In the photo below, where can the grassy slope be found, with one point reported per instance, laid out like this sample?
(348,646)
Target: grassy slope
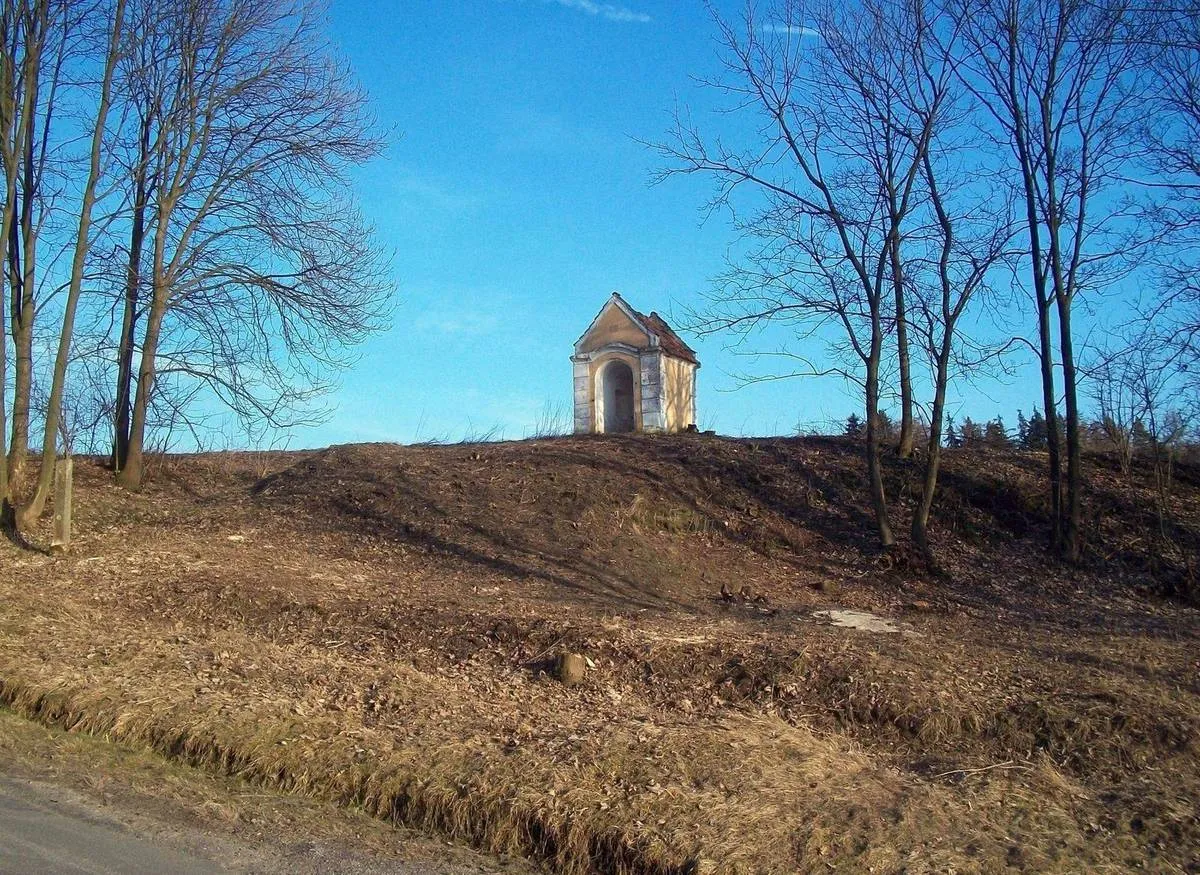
(237,826)
(367,623)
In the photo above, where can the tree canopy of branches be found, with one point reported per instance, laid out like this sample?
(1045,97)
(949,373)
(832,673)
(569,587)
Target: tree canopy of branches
(860,217)
(1062,84)
(910,157)
(108,38)
(257,267)
(40,39)
(215,251)
(846,122)
(1172,156)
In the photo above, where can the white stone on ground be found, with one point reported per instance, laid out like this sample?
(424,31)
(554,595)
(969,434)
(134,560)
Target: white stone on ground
(863,620)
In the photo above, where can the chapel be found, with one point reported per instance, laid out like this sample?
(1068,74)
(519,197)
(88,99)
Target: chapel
(633,373)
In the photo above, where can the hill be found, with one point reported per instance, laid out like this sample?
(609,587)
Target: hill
(377,624)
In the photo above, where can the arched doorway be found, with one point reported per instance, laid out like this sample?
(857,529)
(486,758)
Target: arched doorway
(616,398)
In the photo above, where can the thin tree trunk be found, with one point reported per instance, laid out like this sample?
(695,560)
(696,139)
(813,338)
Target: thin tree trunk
(950,315)
(1021,141)
(920,523)
(1053,443)
(21,317)
(130,475)
(1069,517)
(1045,349)
(22,279)
(82,244)
(8,112)
(22,332)
(10,269)
(5,495)
(133,279)
(124,381)
(874,465)
(904,447)
(1072,542)
(7,216)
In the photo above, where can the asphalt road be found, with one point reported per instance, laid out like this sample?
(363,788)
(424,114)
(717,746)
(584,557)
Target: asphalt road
(71,803)
(40,833)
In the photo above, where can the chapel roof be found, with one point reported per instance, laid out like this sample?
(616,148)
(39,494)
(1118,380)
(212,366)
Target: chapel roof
(670,342)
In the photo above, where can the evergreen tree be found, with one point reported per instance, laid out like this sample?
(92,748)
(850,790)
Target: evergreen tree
(1036,434)
(995,435)
(1022,430)
(953,441)
(970,433)
(854,426)
(1140,435)
(885,426)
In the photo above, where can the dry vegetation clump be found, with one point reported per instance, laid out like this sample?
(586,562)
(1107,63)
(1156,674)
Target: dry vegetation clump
(373,625)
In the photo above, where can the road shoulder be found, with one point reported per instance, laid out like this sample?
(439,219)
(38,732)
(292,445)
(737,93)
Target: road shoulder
(109,808)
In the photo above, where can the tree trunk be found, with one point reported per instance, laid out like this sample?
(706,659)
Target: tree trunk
(920,523)
(874,465)
(8,218)
(11,268)
(1021,142)
(4,491)
(5,494)
(907,440)
(1053,444)
(6,222)
(131,473)
(22,280)
(21,318)
(37,503)
(124,381)
(22,332)
(133,279)
(1045,349)
(23,250)
(1068,518)
(1072,536)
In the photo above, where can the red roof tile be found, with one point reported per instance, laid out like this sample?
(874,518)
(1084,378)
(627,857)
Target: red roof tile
(670,342)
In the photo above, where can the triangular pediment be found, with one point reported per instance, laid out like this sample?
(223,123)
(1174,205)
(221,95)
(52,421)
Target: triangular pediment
(616,322)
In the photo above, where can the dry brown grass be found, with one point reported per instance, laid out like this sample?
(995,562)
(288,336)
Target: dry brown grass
(238,826)
(366,627)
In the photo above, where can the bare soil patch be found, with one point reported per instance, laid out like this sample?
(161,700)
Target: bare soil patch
(378,626)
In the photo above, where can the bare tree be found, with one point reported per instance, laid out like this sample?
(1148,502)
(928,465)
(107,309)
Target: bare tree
(970,238)
(837,169)
(8,112)
(85,425)
(1148,402)
(1166,430)
(83,241)
(37,33)
(260,271)
(1118,399)
(140,83)
(1060,82)
(1172,158)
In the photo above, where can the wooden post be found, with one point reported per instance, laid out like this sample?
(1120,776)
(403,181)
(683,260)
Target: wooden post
(63,472)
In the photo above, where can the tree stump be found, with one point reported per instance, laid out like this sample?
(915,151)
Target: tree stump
(569,668)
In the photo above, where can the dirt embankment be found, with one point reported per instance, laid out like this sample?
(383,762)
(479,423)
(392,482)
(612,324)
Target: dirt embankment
(373,624)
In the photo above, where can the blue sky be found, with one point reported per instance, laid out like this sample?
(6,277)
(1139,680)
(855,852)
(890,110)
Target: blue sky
(516,197)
